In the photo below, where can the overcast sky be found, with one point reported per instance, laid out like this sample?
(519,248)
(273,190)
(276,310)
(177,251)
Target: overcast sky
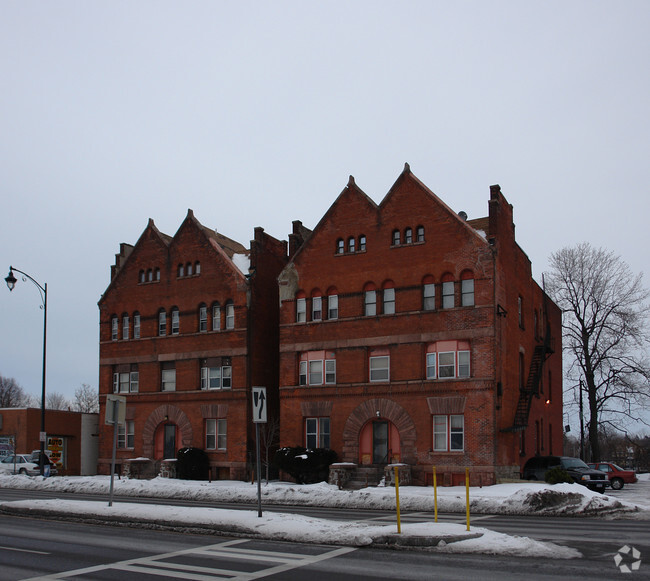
(255,114)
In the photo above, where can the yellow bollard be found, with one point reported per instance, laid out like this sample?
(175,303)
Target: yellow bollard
(467,494)
(435,496)
(399,524)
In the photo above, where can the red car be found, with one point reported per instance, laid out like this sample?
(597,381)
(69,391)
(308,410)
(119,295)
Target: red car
(616,475)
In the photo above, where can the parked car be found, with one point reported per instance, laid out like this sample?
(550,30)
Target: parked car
(537,467)
(22,464)
(617,476)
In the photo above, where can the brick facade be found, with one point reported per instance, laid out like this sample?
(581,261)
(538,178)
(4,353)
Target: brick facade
(409,242)
(221,319)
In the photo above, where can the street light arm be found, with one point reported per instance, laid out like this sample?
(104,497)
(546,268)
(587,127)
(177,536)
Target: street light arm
(11,280)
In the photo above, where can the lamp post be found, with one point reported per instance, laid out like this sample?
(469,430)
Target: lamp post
(11,283)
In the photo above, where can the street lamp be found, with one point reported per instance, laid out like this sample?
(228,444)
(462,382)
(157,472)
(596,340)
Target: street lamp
(11,283)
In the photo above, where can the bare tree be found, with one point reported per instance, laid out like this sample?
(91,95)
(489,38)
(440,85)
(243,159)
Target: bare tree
(86,399)
(12,395)
(56,401)
(605,335)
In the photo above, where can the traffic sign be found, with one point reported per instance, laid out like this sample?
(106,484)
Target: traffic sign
(259,405)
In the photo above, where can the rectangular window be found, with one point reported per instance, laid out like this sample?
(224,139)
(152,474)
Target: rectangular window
(203,318)
(463,364)
(447,364)
(467,292)
(168,379)
(431,365)
(126,435)
(222,430)
(316,308)
(162,323)
(301,310)
(210,434)
(216,318)
(311,366)
(333,307)
(448,433)
(317,433)
(379,368)
(230,316)
(136,326)
(134,382)
(520,311)
(124,382)
(389,301)
(448,295)
(216,377)
(125,327)
(429,297)
(370,303)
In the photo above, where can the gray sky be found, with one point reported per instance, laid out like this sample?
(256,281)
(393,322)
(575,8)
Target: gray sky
(255,114)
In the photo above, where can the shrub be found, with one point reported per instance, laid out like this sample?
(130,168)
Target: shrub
(192,464)
(307,466)
(558,475)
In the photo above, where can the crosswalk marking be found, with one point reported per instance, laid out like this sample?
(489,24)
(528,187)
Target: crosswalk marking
(160,565)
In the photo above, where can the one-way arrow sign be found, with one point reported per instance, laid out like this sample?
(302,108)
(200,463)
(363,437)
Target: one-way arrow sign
(259,405)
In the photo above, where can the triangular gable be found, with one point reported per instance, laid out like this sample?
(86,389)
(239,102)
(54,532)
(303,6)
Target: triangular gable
(400,188)
(149,234)
(351,196)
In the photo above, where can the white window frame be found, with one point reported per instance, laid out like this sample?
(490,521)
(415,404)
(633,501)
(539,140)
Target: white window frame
(379,368)
(115,325)
(162,323)
(136,326)
(216,377)
(126,435)
(222,434)
(125,326)
(216,317)
(370,303)
(317,372)
(389,301)
(301,310)
(317,430)
(203,318)
(467,292)
(460,368)
(448,433)
(176,322)
(333,307)
(431,372)
(316,308)
(230,315)
(448,291)
(210,434)
(429,296)
(168,379)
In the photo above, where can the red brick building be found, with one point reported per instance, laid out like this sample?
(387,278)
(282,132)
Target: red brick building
(187,325)
(411,334)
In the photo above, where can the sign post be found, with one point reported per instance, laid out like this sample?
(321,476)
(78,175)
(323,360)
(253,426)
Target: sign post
(259,417)
(115,415)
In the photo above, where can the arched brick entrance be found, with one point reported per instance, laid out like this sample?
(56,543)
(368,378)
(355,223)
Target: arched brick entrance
(165,413)
(389,410)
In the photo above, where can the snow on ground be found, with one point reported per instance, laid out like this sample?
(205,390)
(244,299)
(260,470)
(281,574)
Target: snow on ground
(514,498)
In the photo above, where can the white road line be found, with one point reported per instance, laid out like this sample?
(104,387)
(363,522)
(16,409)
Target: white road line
(24,550)
(157,564)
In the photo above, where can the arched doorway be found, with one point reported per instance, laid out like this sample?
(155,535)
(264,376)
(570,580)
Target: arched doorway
(165,431)
(379,442)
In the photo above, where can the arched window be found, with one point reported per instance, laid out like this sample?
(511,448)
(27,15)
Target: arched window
(141,276)
(149,275)
(419,234)
(389,298)
(162,322)
(176,321)
(216,317)
(197,267)
(115,326)
(340,246)
(181,270)
(301,307)
(448,291)
(136,325)
(125,326)
(369,300)
(362,243)
(230,315)
(428,294)
(467,289)
(351,244)
(408,236)
(396,238)
(188,269)
(203,318)
(157,271)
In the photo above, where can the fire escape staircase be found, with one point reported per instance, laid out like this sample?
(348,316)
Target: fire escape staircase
(540,355)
